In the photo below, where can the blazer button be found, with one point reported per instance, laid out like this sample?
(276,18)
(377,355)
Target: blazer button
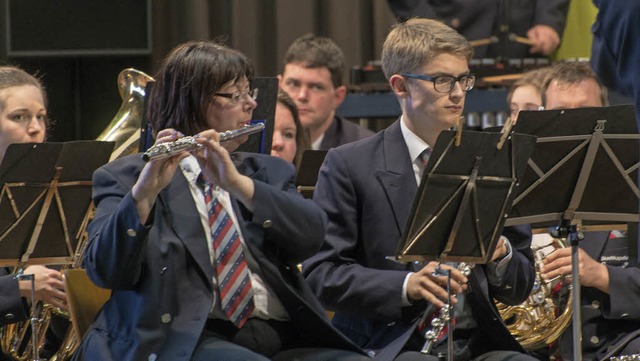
(624,315)
(594,339)
(166,318)
(131,232)
(9,316)
(153,357)
(267,224)
(371,354)
(595,304)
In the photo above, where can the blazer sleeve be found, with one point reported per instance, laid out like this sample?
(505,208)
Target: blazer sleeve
(552,13)
(12,308)
(624,290)
(294,224)
(337,274)
(115,252)
(520,274)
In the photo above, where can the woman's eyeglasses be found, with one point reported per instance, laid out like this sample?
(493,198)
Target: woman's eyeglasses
(237,97)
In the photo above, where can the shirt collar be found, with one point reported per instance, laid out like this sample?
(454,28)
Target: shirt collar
(415,144)
(190,168)
(316,145)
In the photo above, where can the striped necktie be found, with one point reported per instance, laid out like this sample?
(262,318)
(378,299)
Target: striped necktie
(234,285)
(424,158)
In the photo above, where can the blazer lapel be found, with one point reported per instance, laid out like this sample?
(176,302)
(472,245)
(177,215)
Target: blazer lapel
(397,178)
(184,219)
(255,172)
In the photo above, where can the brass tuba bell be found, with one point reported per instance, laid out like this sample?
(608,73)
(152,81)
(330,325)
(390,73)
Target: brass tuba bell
(124,128)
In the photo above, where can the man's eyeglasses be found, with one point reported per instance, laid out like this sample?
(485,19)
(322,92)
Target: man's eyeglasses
(445,83)
(237,97)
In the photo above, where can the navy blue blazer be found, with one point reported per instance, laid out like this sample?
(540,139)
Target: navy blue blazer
(367,189)
(615,53)
(161,274)
(342,131)
(609,321)
(12,307)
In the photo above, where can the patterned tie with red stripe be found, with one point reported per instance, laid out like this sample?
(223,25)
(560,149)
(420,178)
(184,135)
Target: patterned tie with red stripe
(424,158)
(234,285)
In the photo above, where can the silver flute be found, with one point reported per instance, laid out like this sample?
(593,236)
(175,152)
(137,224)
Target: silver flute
(189,144)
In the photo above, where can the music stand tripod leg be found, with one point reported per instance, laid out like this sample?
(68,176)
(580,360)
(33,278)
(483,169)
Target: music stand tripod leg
(569,231)
(32,319)
(449,328)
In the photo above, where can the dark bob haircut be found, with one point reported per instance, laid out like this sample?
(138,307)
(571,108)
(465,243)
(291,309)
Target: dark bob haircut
(188,79)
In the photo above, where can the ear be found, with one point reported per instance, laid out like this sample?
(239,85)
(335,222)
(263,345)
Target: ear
(398,85)
(279,81)
(339,95)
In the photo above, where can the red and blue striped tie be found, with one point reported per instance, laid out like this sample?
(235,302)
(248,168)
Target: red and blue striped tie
(234,285)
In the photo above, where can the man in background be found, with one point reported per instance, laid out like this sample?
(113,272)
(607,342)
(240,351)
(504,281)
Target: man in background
(572,85)
(609,275)
(540,21)
(313,78)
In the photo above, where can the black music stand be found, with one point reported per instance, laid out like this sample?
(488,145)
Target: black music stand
(466,190)
(265,113)
(307,175)
(583,171)
(459,209)
(45,203)
(45,199)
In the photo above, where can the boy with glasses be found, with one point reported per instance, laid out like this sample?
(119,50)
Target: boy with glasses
(367,189)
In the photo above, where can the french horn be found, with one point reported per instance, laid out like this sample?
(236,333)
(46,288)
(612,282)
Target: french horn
(124,129)
(547,312)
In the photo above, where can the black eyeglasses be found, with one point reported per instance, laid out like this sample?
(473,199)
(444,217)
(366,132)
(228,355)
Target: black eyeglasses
(237,97)
(445,83)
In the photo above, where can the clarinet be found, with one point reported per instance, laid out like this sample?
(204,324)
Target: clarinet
(634,357)
(189,144)
(444,315)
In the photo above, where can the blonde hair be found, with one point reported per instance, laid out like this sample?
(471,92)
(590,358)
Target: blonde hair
(411,44)
(534,78)
(11,76)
